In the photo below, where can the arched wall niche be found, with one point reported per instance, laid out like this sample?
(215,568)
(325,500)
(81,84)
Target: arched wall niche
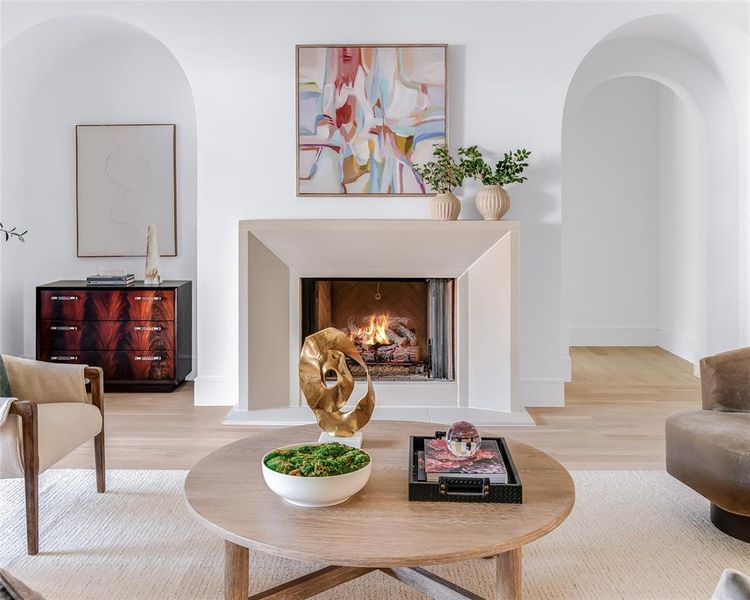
(56,74)
(691,59)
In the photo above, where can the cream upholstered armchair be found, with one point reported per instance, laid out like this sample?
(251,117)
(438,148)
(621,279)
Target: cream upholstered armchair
(48,415)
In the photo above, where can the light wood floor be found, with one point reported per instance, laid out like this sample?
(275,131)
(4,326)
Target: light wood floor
(613,417)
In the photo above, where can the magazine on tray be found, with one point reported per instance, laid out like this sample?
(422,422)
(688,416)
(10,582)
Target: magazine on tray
(487,462)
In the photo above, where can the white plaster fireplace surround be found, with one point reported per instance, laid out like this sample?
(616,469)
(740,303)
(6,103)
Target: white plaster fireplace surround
(482,257)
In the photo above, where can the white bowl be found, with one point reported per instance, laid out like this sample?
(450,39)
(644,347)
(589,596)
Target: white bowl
(313,492)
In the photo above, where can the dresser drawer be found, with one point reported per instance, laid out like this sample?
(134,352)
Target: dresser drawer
(107,335)
(107,305)
(119,365)
(149,305)
(65,304)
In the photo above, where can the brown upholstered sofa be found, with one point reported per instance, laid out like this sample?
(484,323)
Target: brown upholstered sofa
(709,449)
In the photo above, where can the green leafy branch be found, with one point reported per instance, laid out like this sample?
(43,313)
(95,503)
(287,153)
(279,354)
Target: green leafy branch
(473,164)
(509,169)
(511,166)
(443,174)
(12,233)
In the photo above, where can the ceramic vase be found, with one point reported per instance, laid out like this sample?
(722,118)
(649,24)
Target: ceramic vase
(493,202)
(445,207)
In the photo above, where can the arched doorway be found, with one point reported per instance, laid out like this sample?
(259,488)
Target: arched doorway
(55,75)
(654,214)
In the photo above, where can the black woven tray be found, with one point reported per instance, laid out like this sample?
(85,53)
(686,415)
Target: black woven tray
(462,489)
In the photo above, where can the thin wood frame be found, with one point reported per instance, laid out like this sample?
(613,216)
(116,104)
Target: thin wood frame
(174,189)
(298,47)
(27,411)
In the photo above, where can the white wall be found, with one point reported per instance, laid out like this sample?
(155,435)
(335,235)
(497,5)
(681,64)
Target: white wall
(678,52)
(125,77)
(510,68)
(611,165)
(725,51)
(635,244)
(682,230)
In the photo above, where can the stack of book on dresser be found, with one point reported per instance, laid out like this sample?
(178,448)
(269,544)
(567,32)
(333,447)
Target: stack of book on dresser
(438,461)
(110,277)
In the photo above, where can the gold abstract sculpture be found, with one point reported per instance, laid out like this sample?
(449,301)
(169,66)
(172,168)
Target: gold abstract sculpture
(325,352)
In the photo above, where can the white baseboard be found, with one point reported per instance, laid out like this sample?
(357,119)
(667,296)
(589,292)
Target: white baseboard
(682,347)
(482,417)
(603,336)
(218,391)
(275,417)
(678,346)
(613,336)
(567,368)
(542,392)
(215,391)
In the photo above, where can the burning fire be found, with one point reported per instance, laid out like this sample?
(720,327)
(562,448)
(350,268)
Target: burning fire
(375,332)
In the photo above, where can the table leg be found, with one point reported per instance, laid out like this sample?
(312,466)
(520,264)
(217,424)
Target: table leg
(508,580)
(236,571)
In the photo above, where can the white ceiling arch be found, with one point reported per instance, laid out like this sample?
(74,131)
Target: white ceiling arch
(684,54)
(132,77)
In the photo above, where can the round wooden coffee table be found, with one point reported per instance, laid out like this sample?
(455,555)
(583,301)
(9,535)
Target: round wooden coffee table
(376,529)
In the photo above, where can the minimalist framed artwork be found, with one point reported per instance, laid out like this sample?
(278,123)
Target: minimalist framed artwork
(366,114)
(125,180)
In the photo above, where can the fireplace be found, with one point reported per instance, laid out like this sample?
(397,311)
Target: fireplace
(447,303)
(402,327)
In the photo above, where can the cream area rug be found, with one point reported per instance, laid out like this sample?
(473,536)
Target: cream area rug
(632,534)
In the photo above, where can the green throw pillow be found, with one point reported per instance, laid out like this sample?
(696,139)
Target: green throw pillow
(4,383)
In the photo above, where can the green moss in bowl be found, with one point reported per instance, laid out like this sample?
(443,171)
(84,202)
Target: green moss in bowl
(317,460)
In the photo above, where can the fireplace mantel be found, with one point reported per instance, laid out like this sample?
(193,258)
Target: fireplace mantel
(379,248)
(482,257)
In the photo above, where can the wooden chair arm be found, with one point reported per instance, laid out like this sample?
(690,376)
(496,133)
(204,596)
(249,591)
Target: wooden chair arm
(24,409)
(27,411)
(96,376)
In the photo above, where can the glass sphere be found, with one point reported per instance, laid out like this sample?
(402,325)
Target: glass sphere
(463,439)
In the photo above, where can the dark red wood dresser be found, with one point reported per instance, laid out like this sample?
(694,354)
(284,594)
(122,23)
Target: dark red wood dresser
(140,335)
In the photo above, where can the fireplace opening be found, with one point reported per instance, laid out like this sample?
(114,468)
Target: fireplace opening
(403,328)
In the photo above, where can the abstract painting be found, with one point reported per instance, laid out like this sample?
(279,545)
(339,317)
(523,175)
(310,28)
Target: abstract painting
(125,181)
(366,114)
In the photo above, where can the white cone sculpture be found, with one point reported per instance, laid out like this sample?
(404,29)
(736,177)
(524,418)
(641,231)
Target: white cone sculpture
(152,257)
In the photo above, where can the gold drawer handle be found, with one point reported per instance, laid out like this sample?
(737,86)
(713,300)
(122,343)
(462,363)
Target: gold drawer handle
(63,298)
(139,328)
(63,358)
(63,328)
(145,298)
(148,358)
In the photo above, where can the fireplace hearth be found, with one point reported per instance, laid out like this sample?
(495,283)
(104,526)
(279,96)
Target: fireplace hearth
(403,328)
